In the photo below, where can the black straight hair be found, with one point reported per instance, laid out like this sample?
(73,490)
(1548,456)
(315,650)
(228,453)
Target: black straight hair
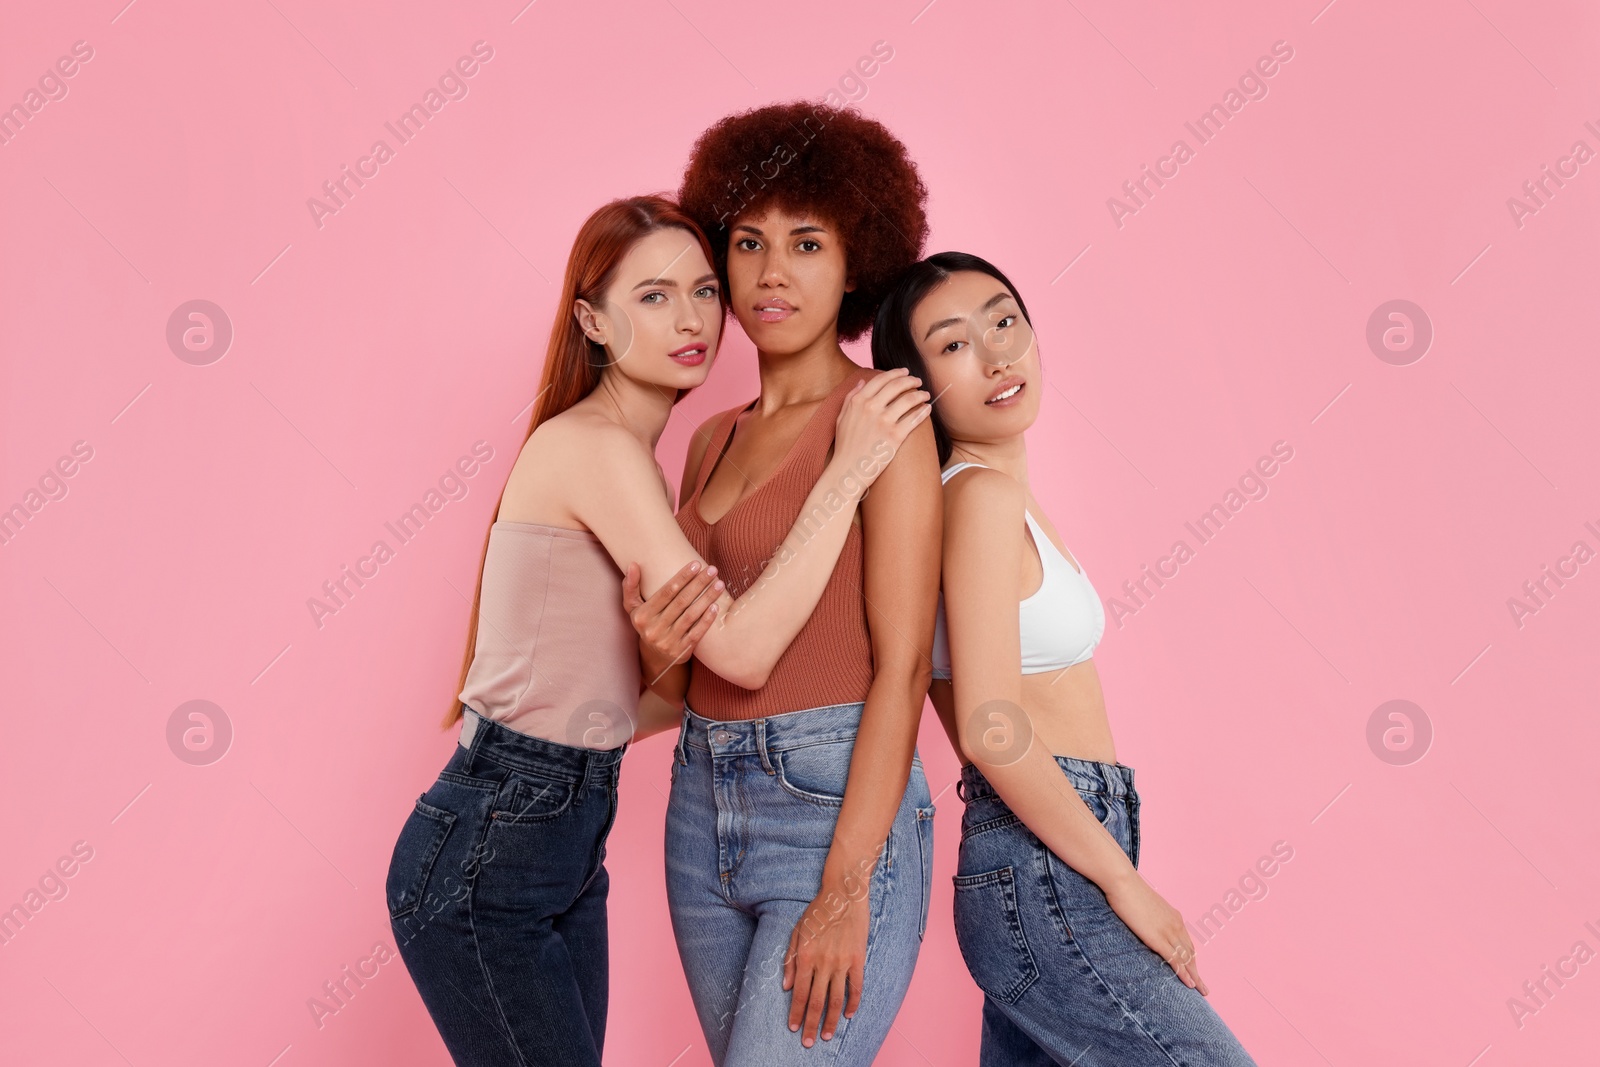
(892,343)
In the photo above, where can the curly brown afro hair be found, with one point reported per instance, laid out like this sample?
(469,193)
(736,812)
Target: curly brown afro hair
(807,156)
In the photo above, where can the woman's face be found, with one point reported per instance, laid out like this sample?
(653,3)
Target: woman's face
(981,357)
(786,277)
(661,318)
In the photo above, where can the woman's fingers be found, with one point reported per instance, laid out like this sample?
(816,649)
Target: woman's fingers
(897,397)
(913,403)
(668,603)
(858,972)
(830,1021)
(1192,963)
(800,993)
(691,640)
(1175,960)
(674,585)
(816,1005)
(873,394)
(875,385)
(790,959)
(1184,962)
(686,606)
(630,589)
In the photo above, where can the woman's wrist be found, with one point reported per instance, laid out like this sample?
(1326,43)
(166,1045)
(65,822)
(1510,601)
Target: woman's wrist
(1123,877)
(848,877)
(843,477)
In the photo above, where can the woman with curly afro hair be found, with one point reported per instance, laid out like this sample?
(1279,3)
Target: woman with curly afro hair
(799,833)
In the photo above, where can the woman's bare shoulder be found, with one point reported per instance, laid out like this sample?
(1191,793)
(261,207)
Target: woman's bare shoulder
(564,459)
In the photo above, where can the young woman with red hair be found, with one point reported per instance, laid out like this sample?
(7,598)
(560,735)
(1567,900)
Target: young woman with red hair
(497,885)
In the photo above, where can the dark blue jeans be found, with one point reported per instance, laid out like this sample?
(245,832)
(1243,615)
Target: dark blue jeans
(497,897)
(1064,979)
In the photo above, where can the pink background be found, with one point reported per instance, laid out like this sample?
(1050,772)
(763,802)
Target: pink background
(1228,313)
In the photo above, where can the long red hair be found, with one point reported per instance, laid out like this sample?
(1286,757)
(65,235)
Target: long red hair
(573,363)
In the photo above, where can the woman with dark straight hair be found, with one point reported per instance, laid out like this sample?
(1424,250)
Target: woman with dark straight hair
(1080,960)
(497,885)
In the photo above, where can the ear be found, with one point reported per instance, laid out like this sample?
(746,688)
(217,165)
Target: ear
(590,321)
(849,283)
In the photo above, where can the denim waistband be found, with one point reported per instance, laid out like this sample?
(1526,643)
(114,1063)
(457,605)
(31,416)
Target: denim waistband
(512,748)
(1088,776)
(792,729)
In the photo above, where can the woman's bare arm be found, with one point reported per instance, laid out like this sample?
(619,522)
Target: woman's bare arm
(617,495)
(901,553)
(984,518)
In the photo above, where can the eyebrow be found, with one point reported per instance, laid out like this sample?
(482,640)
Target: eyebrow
(942,323)
(807,228)
(670,284)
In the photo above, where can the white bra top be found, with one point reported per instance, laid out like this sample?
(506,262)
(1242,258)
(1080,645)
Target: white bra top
(1062,621)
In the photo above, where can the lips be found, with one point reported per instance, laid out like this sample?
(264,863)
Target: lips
(774,310)
(690,355)
(1007,392)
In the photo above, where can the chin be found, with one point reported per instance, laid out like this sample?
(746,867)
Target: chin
(777,338)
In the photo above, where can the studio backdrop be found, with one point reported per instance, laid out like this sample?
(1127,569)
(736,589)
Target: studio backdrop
(1313,284)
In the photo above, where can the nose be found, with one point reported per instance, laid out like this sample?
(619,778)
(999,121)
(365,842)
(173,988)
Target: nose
(773,272)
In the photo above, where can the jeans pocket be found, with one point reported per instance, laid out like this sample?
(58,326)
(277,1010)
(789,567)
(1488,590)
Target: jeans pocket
(990,933)
(415,853)
(925,842)
(1097,803)
(531,798)
(816,773)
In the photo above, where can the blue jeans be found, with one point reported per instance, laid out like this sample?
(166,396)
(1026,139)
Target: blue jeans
(749,824)
(1064,979)
(497,897)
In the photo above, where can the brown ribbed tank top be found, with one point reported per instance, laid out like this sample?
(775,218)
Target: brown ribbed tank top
(830,659)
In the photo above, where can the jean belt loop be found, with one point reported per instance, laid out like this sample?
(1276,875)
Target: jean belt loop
(961,789)
(761,745)
(469,727)
(683,732)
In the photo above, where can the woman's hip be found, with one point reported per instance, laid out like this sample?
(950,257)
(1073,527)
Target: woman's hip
(992,829)
(754,804)
(511,818)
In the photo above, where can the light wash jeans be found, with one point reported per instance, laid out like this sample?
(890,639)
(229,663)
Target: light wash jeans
(749,824)
(1064,979)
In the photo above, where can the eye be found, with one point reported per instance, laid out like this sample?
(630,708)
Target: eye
(951,347)
(706,292)
(815,245)
(747,244)
(1007,321)
(648,298)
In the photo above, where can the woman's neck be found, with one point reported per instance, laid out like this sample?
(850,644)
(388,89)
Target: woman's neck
(803,376)
(642,408)
(1009,454)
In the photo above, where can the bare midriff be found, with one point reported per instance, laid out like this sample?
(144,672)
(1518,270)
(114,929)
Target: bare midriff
(1066,709)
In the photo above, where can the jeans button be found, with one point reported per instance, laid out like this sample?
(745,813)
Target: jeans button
(722,737)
